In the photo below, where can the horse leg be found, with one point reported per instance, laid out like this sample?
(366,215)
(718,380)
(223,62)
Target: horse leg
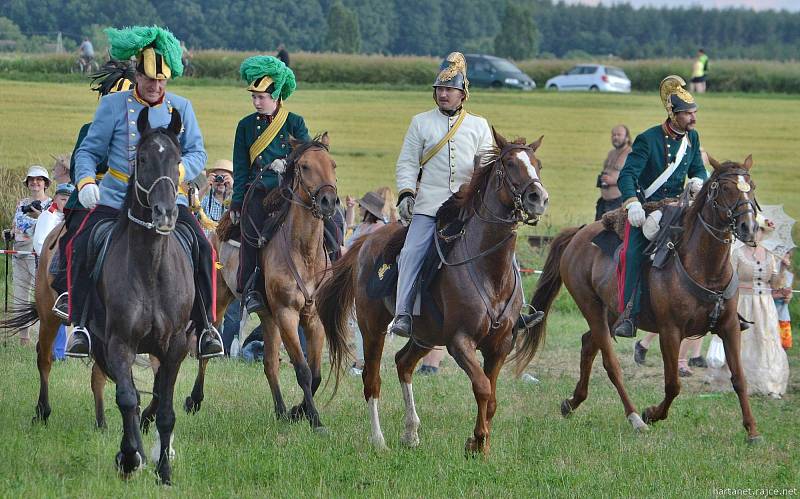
(98,385)
(119,358)
(493,360)
(602,338)
(44,362)
(371,377)
(288,320)
(165,418)
(192,403)
(462,348)
(149,414)
(272,363)
(406,360)
(589,350)
(669,339)
(731,340)
(315,340)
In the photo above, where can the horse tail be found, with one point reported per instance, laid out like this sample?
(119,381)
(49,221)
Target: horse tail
(20,317)
(335,299)
(546,291)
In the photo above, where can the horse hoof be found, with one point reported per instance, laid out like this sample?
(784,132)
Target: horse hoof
(566,409)
(144,426)
(296,413)
(636,421)
(379,443)
(647,416)
(755,440)
(190,406)
(127,469)
(471,448)
(322,430)
(101,425)
(410,440)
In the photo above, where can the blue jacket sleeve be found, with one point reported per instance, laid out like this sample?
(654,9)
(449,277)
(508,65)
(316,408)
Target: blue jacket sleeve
(192,149)
(94,148)
(634,165)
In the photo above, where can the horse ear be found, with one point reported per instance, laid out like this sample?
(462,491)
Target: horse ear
(714,163)
(748,162)
(294,142)
(325,140)
(499,139)
(143,121)
(175,123)
(536,144)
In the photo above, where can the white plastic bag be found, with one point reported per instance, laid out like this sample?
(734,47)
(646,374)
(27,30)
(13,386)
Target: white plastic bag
(715,357)
(46,222)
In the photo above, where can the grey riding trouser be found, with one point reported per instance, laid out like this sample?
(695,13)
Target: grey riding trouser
(419,238)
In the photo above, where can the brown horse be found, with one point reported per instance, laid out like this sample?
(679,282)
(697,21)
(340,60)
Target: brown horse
(724,208)
(478,295)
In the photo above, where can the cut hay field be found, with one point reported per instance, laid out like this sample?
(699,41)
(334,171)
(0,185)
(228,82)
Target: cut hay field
(235,448)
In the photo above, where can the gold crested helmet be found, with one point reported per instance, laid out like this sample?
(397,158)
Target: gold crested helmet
(674,97)
(453,73)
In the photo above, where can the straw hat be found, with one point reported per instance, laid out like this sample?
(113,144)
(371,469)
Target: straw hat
(224,165)
(373,203)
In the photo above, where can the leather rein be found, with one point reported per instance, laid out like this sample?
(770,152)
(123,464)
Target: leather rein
(147,191)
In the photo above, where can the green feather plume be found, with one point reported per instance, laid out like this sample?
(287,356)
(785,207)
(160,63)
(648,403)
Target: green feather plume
(128,42)
(257,66)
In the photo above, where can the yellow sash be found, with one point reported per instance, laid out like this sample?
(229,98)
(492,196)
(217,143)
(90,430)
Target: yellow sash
(264,140)
(432,152)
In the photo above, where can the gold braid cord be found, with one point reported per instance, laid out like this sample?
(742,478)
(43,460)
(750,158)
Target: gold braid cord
(194,206)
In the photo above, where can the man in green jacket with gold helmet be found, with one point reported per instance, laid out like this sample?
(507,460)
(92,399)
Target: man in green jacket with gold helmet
(656,168)
(260,149)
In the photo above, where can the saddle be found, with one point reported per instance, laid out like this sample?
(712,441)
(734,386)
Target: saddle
(100,240)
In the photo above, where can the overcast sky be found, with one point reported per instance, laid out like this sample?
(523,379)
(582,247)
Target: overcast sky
(793,5)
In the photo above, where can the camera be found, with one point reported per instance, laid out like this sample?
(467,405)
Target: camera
(37,205)
(219,179)
(7,235)
(600,182)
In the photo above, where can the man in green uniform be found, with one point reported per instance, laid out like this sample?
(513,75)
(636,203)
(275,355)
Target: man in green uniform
(661,159)
(260,149)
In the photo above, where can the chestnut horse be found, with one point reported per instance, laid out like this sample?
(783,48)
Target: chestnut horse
(478,295)
(725,208)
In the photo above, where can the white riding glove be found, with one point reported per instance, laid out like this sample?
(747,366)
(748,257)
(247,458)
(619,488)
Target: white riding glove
(652,225)
(636,214)
(694,184)
(278,166)
(405,210)
(89,196)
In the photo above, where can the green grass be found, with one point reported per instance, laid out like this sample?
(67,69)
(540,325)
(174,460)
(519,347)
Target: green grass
(234,447)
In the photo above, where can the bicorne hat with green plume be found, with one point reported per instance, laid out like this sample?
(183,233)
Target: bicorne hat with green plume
(157,51)
(264,73)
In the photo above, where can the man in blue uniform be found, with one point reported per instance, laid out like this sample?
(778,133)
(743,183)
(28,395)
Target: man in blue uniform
(114,135)
(656,168)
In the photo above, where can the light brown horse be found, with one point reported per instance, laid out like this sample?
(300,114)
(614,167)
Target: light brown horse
(503,191)
(724,209)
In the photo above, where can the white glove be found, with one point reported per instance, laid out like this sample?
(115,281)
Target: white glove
(89,196)
(694,184)
(636,214)
(405,210)
(652,225)
(278,166)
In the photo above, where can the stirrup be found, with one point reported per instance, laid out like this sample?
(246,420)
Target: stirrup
(210,331)
(254,302)
(526,321)
(61,306)
(74,341)
(401,325)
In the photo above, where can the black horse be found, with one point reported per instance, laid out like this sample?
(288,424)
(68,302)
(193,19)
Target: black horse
(147,291)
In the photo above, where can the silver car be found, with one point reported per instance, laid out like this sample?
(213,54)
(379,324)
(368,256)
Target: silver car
(594,77)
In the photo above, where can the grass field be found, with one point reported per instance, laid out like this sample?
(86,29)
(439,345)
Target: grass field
(234,447)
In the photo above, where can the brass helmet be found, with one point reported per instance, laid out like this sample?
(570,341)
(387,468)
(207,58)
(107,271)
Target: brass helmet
(453,73)
(675,98)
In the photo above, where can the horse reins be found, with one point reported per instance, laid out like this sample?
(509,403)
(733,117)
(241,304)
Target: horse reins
(732,212)
(138,187)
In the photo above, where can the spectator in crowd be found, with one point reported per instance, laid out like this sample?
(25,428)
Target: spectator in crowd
(218,198)
(28,210)
(699,69)
(389,203)
(61,167)
(782,297)
(610,195)
(764,361)
(283,55)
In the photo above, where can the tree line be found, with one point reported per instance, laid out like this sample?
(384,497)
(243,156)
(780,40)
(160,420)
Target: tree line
(518,29)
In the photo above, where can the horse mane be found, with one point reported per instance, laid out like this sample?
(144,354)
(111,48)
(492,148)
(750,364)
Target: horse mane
(456,203)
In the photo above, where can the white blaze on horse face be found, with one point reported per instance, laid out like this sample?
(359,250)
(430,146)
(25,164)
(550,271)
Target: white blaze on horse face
(523,156)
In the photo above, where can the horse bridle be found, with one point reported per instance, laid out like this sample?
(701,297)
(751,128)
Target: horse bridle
(732,213)
(312,206)
(147,191)
(518,213)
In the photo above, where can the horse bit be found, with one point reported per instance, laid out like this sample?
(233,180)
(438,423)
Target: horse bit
(147,192)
